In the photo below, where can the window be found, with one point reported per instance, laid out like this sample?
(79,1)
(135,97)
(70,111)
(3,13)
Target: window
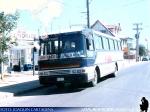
(111,43)
(116,45)
(105,43)
(98,42)
(101,42)
(56,46)
(119,45)
(89,44)
(69,46)
(45,50)
(50,47)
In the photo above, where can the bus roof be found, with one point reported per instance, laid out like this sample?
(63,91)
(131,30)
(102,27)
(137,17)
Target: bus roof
(61,33)
(85,31)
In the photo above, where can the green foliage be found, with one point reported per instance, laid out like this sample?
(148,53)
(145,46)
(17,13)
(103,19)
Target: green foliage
(142,50)
(3,58)
(7,23)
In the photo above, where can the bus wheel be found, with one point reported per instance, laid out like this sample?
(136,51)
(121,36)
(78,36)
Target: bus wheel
(115,72)
(116,67)
(95,80)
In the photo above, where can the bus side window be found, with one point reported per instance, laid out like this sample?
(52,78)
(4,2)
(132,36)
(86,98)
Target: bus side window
(41,53)
(116,45)
(111,44)
(48,47)
(105,43)
(101,42)
(89,44)
(45,49)
(98,42)
(119,45)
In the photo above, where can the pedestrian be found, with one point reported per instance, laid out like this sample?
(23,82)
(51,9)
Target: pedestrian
(144,105)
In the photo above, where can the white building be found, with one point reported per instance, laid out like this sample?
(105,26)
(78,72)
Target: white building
(22,53)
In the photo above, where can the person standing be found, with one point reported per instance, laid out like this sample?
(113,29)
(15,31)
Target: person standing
(145,104)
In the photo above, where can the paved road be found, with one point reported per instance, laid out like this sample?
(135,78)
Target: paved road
(123,91)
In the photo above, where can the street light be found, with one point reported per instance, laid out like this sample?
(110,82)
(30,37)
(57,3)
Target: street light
(35,48)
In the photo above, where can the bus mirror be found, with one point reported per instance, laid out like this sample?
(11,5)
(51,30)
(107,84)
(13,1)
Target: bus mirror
(88,42)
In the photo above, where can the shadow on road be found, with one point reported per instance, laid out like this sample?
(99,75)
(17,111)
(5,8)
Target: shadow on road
(33,88)
(20,87)
(52,90)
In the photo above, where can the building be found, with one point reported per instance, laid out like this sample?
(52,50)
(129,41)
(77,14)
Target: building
(98,26)
(21,53)
(115,29)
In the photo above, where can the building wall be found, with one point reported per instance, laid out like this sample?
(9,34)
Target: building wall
(23,51)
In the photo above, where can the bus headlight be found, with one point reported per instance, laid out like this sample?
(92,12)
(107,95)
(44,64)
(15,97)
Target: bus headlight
(78,71)
(46,73)
(41,73)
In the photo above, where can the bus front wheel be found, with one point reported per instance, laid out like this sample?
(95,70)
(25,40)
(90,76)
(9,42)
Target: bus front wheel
(95,80)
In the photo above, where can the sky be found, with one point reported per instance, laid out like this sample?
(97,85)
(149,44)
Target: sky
(56,15)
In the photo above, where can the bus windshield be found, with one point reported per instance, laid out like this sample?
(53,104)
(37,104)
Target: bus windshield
(64,46)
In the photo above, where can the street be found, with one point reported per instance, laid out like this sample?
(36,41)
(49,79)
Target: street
(123,91)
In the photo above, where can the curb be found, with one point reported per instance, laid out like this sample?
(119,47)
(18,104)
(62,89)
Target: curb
(17,89)
(4,95)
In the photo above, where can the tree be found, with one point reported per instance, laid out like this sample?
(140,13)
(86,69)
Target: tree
(142,50)
(8,22)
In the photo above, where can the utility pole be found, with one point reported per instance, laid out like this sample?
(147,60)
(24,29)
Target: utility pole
(88,13)
(137,35)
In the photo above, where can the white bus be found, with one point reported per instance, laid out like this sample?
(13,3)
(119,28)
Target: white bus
(78,57)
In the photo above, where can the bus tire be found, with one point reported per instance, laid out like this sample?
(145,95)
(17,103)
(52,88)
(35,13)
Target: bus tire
(115,72)
(116,69)
(95,80)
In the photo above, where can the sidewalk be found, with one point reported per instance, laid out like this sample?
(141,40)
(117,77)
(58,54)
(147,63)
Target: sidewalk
(18,82)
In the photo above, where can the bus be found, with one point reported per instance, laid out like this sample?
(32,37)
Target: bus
(78,57)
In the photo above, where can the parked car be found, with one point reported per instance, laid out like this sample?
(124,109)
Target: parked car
(17,68)
(145,59)
(27,67)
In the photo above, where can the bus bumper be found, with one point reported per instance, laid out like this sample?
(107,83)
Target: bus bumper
(70,78)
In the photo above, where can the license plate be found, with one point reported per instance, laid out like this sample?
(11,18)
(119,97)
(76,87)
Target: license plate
(60,79)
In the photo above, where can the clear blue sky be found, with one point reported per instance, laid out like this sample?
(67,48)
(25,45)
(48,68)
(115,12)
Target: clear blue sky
(125,12)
